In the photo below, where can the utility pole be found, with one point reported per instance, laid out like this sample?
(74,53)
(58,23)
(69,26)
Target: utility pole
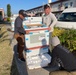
(49,1)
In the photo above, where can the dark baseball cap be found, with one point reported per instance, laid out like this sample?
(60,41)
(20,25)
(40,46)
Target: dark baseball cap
(23,13)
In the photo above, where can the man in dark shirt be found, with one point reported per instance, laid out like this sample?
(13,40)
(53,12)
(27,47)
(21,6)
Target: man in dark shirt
(66,59)
(19,33)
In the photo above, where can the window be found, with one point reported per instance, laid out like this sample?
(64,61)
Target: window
(71,4)
(69,17)
(66,5)
(1,15)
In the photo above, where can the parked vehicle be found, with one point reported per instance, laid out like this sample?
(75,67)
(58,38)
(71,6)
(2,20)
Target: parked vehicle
(67,19)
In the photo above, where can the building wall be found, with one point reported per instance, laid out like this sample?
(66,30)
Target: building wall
(63,5)
(69,3)
(56,7)
(2,12)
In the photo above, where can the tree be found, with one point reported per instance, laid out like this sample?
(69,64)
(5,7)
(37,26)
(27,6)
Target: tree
(8,10)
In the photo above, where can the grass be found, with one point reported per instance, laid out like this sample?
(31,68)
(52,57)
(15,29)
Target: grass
(6,54)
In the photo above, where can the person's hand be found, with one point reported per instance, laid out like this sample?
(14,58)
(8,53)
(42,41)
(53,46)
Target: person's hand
(27,32)
(49,28)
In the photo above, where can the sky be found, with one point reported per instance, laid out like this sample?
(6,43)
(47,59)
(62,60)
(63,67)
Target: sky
(16,5)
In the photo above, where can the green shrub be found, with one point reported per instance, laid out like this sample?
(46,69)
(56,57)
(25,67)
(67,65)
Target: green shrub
(58,32)
(67,37)
(8,19)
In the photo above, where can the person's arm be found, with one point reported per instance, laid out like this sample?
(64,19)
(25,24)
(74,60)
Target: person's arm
(20,29)
(54,20)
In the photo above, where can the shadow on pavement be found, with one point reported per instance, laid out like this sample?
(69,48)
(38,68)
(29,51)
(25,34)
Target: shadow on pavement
(2,33)
(18,67)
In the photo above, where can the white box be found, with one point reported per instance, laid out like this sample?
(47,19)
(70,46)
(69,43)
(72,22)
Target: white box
(38,61)
(32,20)
(36,51)
(12,25)
(27,21)
(12,28)
(37,37)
